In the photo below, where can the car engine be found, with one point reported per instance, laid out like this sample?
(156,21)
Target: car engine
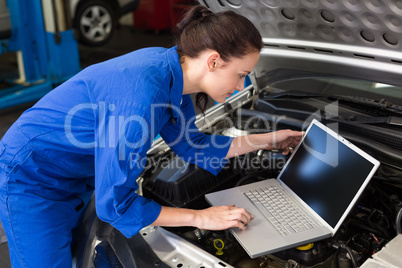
(374,221)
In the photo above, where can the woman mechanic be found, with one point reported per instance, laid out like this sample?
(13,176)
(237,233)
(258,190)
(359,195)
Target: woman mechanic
(90,134)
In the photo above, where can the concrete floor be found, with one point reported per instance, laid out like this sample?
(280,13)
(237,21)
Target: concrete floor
(125,40)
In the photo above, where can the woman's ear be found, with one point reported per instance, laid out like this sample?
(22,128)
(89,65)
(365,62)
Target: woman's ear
(212,61)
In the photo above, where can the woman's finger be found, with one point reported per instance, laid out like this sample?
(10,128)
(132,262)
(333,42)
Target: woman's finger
(240,215)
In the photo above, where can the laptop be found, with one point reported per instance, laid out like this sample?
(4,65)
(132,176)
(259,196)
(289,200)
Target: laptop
(322,180)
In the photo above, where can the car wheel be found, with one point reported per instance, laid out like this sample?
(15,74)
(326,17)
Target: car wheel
(95,23)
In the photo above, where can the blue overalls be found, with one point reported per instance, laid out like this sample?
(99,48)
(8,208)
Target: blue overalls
(92,133)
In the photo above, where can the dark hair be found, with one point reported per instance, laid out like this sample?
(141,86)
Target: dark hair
(228,33)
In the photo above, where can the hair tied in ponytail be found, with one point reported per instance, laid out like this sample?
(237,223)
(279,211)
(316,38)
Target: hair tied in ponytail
(228,33)
(195,15)
(206,12)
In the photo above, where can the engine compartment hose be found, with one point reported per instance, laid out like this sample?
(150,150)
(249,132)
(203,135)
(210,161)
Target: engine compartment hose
(399,222)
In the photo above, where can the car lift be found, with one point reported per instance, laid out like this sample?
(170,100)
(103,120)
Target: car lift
(46,50)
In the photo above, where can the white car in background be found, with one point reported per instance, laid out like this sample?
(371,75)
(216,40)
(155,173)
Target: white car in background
(95,20)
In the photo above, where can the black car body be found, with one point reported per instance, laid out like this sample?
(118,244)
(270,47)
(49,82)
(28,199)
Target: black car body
(336,61)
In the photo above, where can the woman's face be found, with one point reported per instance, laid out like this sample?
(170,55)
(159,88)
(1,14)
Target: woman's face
(227,77)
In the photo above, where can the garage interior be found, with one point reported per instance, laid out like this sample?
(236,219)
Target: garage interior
(150,25)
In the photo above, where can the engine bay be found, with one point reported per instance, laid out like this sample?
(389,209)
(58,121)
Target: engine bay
(373,222)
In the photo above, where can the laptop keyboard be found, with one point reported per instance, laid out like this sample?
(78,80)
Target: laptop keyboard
(279,210)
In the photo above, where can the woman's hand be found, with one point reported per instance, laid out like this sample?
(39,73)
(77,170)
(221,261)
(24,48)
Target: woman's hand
(223,217)
(283,140)
(213,218)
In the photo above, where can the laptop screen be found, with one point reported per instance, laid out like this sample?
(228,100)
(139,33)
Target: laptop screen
(326,174)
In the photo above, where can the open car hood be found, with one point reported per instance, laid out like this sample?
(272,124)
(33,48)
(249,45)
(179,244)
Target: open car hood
(349,38)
